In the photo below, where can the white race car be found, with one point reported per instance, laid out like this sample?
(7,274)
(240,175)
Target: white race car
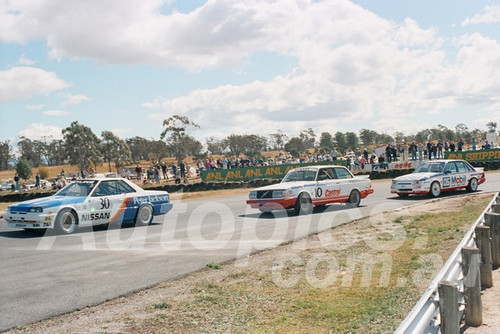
(89,202)
(303,188)
(435,176)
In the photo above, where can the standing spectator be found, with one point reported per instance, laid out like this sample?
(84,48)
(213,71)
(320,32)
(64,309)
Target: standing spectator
(420,149)
(164,170)
(334,154)
(16,181)
(460,144)
(429,149)
(157,174)
(182,168)
(365,154)
(388,153)
(474,143)
(138,171)
(82,174)
(174,170)
(452,146)
(413,151)
(37,181)
(440,149)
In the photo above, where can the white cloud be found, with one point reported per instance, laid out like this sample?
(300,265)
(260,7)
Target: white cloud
(35,107)
(40,131)
(25,61)
(74,99)
(25,82)
(490,14)
(56,113)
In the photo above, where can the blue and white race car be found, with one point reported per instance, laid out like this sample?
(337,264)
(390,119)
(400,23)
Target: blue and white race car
(435,176)
(90,202)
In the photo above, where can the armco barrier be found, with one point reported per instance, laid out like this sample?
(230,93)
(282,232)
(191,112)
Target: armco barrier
(424,317)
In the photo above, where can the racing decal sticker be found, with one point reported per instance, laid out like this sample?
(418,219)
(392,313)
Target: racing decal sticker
(332,193)
(446,182)
(118,216)
(96,216)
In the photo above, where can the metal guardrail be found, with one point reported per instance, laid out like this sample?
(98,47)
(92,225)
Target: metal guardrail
(424,317)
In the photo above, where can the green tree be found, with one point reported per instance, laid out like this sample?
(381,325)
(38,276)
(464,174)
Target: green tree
(326,141)
(5,154)
(81,145)
(296,146)
(368,137)
(114,150)
(31,151)
(140,148)
(308,137)
(340,141)
(278,139)
(175,134)
(23,168)
(492,126)
(216,146)
(352,140)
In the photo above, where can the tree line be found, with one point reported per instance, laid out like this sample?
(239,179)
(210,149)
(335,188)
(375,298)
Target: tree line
(81,147)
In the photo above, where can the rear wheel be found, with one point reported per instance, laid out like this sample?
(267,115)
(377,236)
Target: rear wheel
(472,186)
(66,222)
(303,205)
(354,198)
(435,189)
(144,215)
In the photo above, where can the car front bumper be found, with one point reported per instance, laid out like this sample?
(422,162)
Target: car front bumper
(29,220)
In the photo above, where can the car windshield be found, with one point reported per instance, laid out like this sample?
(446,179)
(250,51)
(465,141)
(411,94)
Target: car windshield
(430,167)
(300,175)
(77,189)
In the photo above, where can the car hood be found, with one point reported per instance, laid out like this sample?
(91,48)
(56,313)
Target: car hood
(417,176)
(285,185)
(47,202)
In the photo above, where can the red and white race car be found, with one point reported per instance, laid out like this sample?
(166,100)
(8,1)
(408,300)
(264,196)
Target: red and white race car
(436,176)
(303,188)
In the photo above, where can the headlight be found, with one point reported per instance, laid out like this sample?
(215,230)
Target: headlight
(35,209)
(282,193)
(252,195)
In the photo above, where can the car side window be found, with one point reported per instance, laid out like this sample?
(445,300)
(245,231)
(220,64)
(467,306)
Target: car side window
(325,174)
(461,167)
(342,173)
(124,188)
(451,167)
(106,188)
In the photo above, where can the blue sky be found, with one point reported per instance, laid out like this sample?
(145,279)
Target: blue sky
(248,66)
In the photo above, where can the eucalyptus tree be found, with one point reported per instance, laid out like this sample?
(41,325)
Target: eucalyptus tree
(175,135)
(114,149)
(81,145)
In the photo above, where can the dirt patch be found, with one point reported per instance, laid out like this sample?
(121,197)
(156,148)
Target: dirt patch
(271,291)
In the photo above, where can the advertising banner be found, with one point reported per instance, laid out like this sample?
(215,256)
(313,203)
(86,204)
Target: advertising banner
(492,155)
(261,172)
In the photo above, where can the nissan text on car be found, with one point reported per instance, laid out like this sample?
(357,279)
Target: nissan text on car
(90,202)
(435,176)
(303,188)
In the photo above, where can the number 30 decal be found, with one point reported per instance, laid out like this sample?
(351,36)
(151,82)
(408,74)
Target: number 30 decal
(104,203)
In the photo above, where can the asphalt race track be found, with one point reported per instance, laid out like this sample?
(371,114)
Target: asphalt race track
(45,275)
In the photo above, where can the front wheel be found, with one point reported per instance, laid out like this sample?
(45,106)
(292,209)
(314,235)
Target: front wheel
(354,198)
(472,186)
(304,205)
(144,215)
(66,222)
(435,189)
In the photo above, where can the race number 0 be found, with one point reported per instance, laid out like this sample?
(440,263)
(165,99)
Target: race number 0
(319,192)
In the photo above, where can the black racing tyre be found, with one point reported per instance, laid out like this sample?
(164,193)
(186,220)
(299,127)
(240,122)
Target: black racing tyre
(303,205)
(435,190)
(144,215)
(66,222)
(472,186)
(354,198)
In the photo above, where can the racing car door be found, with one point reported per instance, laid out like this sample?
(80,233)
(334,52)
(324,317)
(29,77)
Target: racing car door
(105,202)
(328,185)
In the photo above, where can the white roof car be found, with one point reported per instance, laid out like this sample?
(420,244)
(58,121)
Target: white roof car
(435,176)
(89,202)
(303,188)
